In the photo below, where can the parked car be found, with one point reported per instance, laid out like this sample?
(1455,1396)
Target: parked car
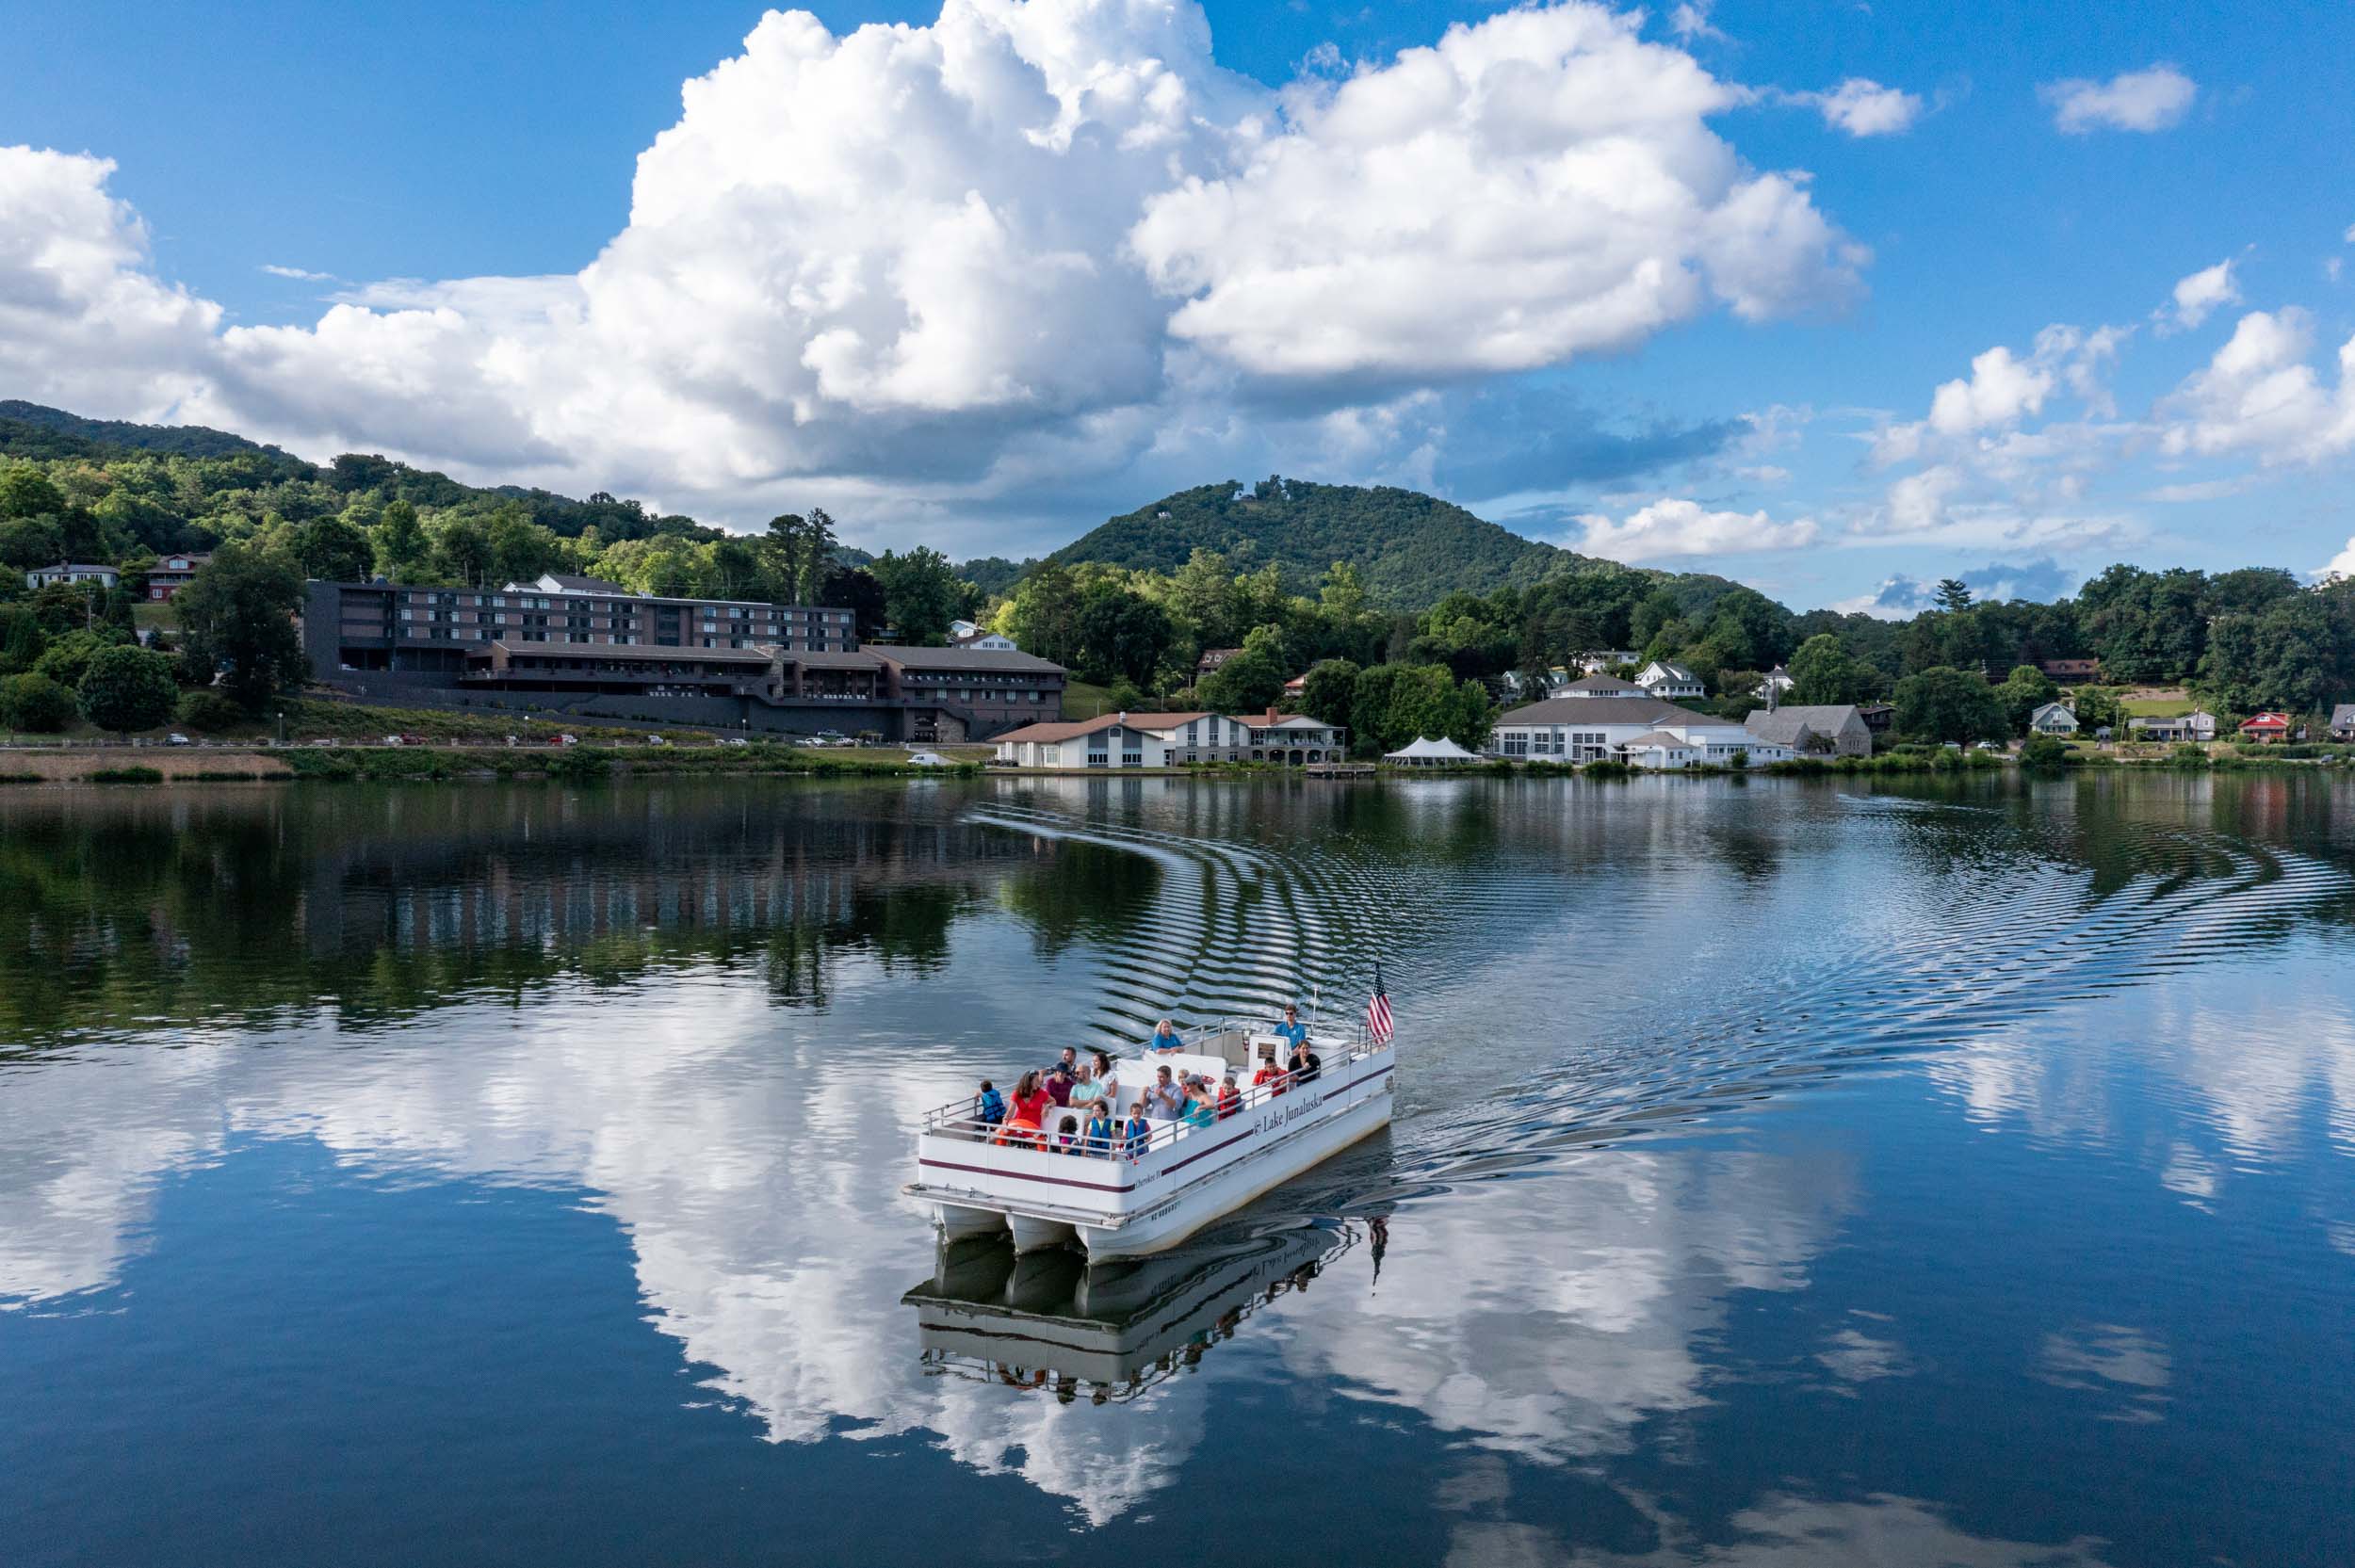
(656,740)
(177,740)
(732,740)
(393,740)
(565,740)
(928,759)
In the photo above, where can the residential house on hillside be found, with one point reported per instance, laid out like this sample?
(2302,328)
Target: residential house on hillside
(1597,660)
(1212,658)
(567,582)
(1814,730)
(1594,729)
(1877,716)
(982,638)
(72,572)
(2071,672)
(2265,728)
(2343,721)
(172,573)
(1601,686)
(1669,681)
(1775,685)
(2053,719)
(2196,726)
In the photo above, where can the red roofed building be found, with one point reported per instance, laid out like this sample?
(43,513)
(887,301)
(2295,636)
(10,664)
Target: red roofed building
(2266,727)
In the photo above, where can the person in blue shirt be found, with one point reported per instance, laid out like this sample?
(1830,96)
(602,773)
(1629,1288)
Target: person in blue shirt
(1140,1131)
(993,1105)
(1294,1032)
(1101,1137)
(1165,1038)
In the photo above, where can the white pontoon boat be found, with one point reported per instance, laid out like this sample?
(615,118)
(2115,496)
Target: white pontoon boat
(1133,1200)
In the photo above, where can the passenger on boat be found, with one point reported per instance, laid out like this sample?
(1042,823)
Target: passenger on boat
(1304,1064)
(1084,1089)
(1067,1135)
(1165,1038)
(1060,1076)
(1229,1097)
(1140,1130)
(1201,1108)
(1269,1073)
(1102,1137)
(1295,1033)
(1029,1111)
(1165,1100)
(1106,1081)
(990,1104)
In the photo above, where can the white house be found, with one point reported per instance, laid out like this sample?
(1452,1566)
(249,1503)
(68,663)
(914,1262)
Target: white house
(1601,686)
(997,642)
(2052,718)
(1292,738)
(1775,685)
(1669,681)
(72,572)
(2198,725)
(1593,729)
(1595,662)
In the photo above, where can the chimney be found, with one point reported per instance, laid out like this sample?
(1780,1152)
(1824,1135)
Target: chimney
(1271,714)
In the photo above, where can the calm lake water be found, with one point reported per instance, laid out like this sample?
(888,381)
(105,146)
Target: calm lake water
(1785,1171)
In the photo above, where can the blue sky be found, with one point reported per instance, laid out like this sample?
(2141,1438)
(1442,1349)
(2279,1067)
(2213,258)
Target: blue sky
(768,331)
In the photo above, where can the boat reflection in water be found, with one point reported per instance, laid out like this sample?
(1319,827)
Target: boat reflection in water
(1109,1330)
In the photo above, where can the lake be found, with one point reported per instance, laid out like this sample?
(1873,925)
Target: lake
(1784,1171)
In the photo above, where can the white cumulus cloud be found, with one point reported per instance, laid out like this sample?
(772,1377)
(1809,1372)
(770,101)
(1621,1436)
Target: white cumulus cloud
(2342,564)
(1681,528)
(2258,396)
(1864,107)
(2148,100)
(2197,297)
(1539,187)
(938,263)
(300,274)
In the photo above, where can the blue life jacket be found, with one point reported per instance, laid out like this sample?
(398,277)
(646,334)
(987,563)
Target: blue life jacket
(993,1107)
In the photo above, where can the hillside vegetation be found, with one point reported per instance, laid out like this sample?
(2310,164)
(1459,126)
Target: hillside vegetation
(1408,549)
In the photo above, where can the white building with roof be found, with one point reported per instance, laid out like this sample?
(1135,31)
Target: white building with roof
(72,572)
(1670,681)
(1596,729)
(1423,751)
(2053,719)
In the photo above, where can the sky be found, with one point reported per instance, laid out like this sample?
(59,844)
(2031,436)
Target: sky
(1833,298)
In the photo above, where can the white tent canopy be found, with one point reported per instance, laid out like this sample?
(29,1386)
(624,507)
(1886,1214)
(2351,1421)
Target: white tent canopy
(1426,752)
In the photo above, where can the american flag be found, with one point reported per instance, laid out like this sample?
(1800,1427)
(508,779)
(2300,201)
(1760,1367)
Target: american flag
(1378,1011)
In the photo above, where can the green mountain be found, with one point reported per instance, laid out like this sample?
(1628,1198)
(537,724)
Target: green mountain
(1409,549)
(32,430)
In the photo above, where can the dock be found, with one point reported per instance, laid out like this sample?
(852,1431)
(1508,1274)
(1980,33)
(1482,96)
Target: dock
(1338,769)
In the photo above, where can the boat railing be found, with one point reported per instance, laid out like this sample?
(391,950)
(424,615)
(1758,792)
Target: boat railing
(962,1118)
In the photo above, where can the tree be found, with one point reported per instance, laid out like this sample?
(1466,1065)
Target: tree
(35,704)
(206,711)
(854,589)
(239,614)
(400,544)
(2024,691)
(29,541)
(1329,691)
(1822,673)
(2098,708)
(25,490)
(1252,680)
(22,640)
(2043,750)
(921,594)
(68,655)
(1121,633)
(332,550)
(1946,704)
(1953,595)
(128,688)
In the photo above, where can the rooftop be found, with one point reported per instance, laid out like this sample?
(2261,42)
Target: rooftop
(569,583)
(1604,710)
(980,660)
(1784,724)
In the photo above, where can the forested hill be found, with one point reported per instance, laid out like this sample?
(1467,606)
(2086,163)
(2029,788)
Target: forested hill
(1409,549)
(32,430)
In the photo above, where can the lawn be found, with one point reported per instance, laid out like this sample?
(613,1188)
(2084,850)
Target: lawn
(2157,707)
(1083,700)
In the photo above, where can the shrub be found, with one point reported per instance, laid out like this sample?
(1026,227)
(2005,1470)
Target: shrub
(2042,750)
(1606,769)
(209,710)
(66,659)
(35,703)
(128,688)
(127,775)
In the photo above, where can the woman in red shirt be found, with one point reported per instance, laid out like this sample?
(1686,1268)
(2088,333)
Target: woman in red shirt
(1027,1111)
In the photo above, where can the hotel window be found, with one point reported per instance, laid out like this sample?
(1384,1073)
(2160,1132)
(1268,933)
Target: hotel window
(1516,743)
